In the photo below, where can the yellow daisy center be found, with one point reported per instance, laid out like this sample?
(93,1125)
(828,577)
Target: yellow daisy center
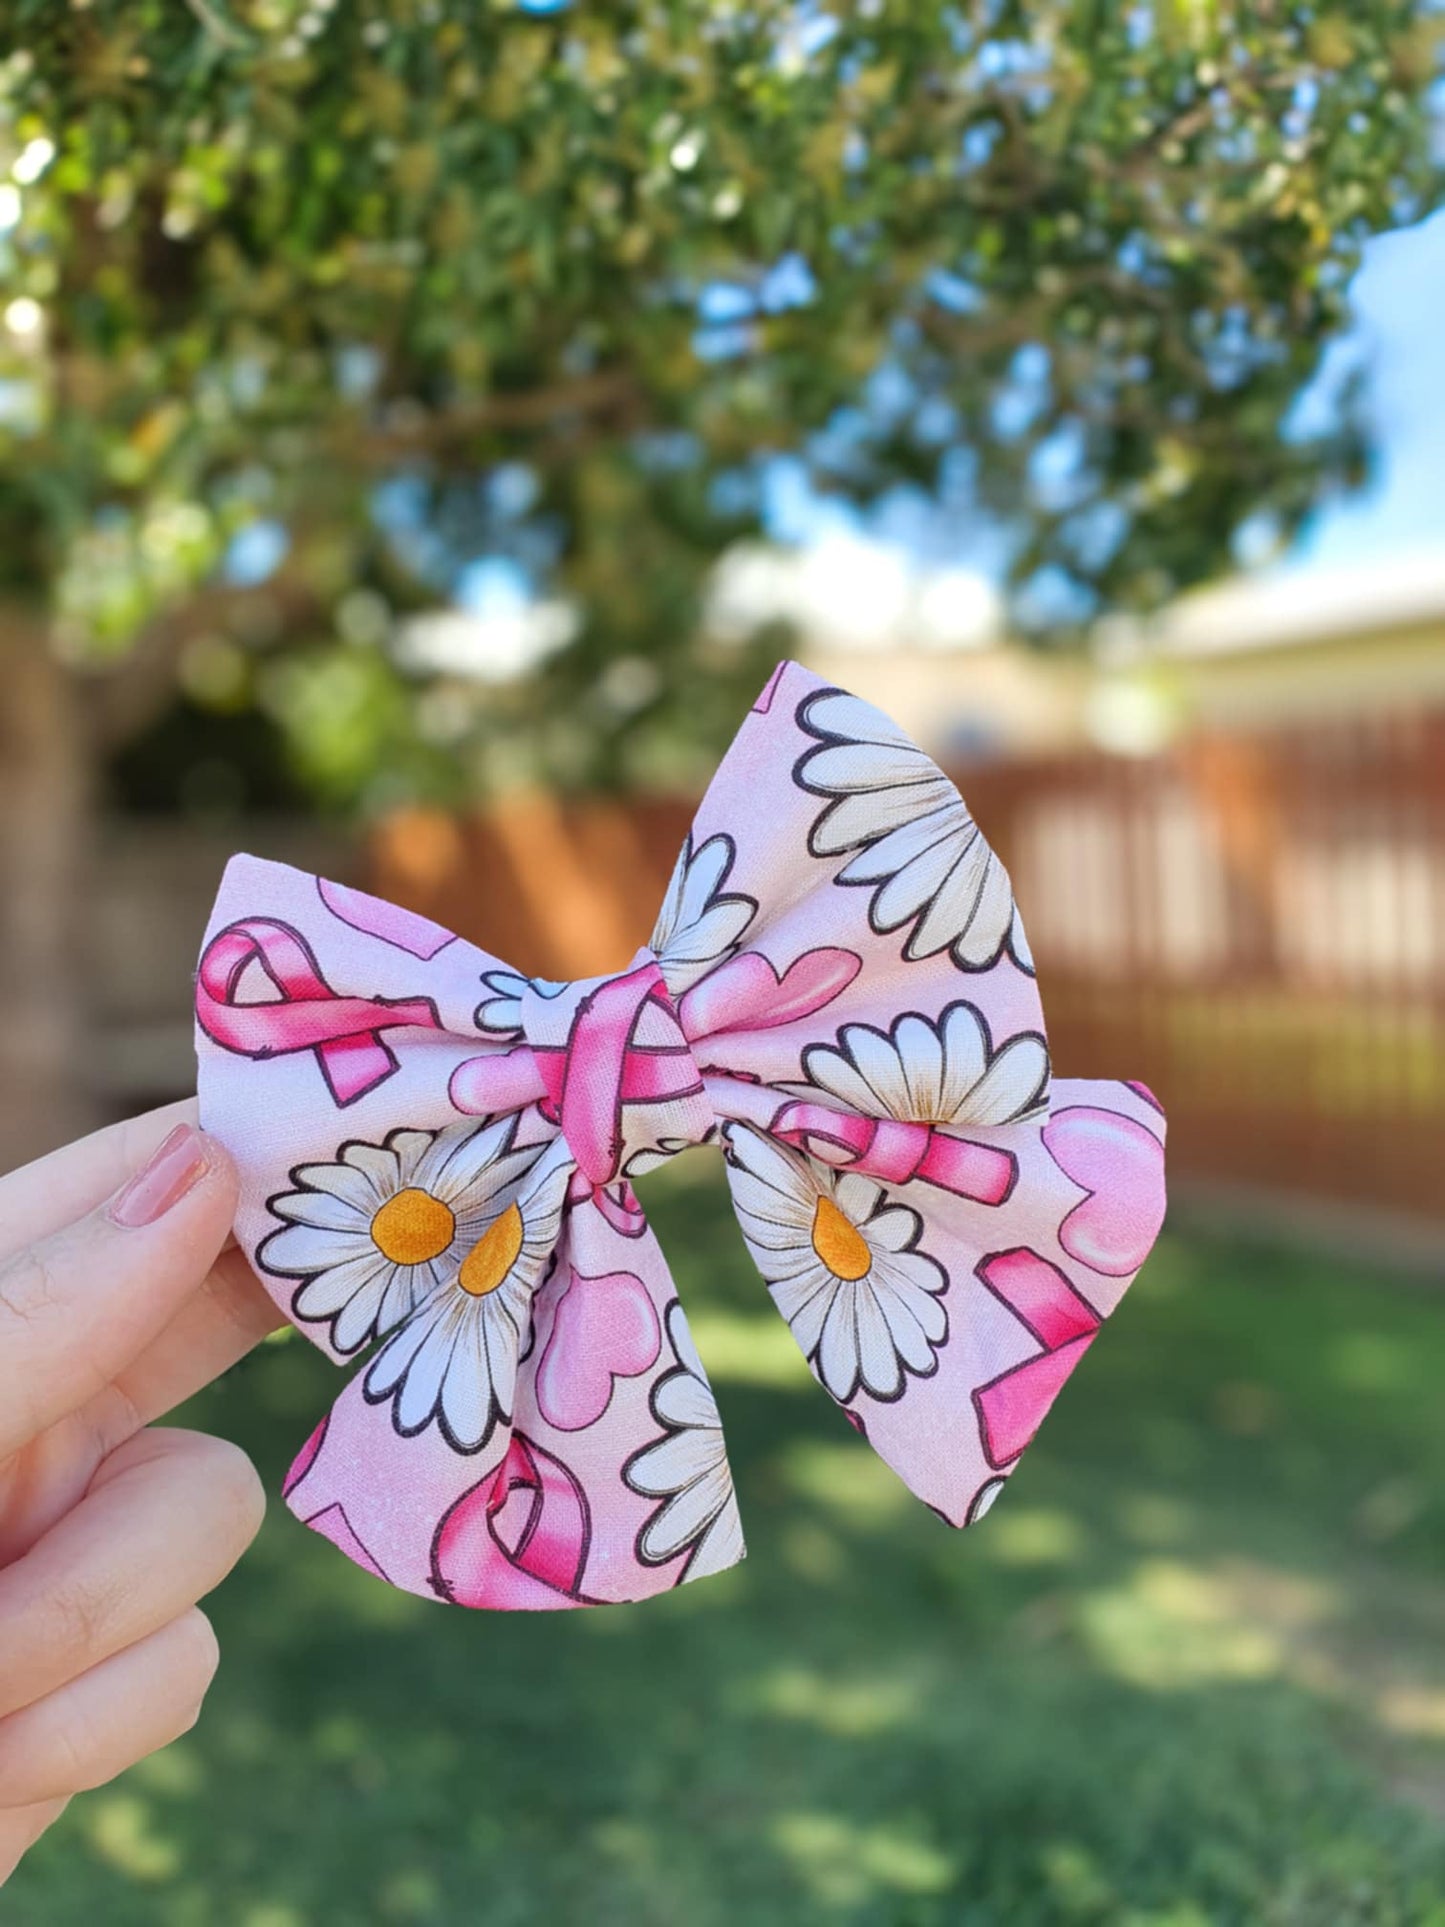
(493,1255)
(838,1243)
(412,1227)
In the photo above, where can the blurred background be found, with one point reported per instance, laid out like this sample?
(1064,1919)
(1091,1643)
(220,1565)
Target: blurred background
(422,426)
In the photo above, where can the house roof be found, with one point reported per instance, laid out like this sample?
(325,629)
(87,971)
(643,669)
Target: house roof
(1284,608)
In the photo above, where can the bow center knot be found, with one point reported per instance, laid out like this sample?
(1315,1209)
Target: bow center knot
(619,1074)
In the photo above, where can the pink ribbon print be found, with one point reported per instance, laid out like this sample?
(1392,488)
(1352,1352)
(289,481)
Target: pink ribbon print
(583,1075)
(1012,1406)
(517,1540)
(344,1032)
(838,998)
(898,1151)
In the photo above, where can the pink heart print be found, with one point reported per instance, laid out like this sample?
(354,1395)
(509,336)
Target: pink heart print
(747,992)
(604,1329)
(388,921)
(1121,1167)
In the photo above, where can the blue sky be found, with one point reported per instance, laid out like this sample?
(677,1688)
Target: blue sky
(1396,343)
(1399,341)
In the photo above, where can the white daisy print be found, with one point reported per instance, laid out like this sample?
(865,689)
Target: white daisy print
(454,1361)
(700,924)
(387,1224)
(933,1071)
(432,1236)
(982,1502)
(687,1469)
(840,1257)
(500,1011)
(910,836)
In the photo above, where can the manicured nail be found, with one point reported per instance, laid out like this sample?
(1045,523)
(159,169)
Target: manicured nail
(172,1169)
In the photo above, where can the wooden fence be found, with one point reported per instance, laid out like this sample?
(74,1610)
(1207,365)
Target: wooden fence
(1254,924)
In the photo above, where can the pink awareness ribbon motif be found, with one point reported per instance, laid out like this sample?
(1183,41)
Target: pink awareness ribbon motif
(839,998)
(1012,1406)
(344,1032)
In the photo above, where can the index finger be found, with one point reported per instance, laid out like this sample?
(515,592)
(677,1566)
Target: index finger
(38,1198)
(78,1306)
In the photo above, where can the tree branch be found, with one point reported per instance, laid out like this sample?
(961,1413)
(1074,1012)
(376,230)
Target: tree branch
(434,433)
(119,702)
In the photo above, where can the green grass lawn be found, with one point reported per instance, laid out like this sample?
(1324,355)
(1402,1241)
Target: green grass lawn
(1190,1670)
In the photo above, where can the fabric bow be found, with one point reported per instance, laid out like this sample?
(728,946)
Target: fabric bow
(436,1156)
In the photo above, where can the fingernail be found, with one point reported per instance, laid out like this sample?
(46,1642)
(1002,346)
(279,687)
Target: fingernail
(172,1169)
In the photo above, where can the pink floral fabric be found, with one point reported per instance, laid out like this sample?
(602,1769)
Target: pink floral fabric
(437,1155)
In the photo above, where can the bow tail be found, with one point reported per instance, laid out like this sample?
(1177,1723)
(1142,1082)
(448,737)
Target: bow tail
(604,1478)
(945,1324)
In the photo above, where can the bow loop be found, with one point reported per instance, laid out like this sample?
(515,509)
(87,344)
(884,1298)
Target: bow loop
(436,1157)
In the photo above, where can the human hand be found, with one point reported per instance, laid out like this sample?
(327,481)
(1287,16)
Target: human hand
(121,1294)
